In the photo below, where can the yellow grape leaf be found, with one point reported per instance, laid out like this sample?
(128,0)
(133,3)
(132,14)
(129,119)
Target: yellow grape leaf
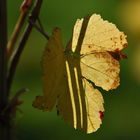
(91,56)
(97,35)
(77,101)
(81,105)
(94,104)
(102,69)
(99,38)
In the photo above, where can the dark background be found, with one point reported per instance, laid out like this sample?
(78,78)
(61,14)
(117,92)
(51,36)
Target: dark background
(122,106)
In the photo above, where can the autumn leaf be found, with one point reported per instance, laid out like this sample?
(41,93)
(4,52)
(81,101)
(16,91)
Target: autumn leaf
(89,56)
(99,37)
(53,69)
(92,33)
(64,86)
(80,104)
(102,69)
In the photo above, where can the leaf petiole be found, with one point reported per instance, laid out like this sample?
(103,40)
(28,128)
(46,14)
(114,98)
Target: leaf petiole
(39,28)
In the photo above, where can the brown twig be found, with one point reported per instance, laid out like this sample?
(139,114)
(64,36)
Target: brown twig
(20,22)
(33,17)
(40,29)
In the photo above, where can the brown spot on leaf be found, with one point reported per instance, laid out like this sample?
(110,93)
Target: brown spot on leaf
(118,55)
(101,115)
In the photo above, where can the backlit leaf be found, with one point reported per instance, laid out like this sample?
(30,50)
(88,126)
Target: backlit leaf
(93,55)
(102,69)
(95,34)
(95,38)
(80,104)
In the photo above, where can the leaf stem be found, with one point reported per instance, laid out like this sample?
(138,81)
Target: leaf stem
(40,29)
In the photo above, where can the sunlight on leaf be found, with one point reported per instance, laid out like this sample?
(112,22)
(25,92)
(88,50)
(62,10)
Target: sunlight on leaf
(90,56)
(98,37)
(103,64)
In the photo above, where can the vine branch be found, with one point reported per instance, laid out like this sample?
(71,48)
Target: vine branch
(40,29)
(20,22)
(33,17)
(3,61)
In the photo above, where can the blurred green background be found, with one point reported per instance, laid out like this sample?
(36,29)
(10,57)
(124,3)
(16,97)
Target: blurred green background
(122,114)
